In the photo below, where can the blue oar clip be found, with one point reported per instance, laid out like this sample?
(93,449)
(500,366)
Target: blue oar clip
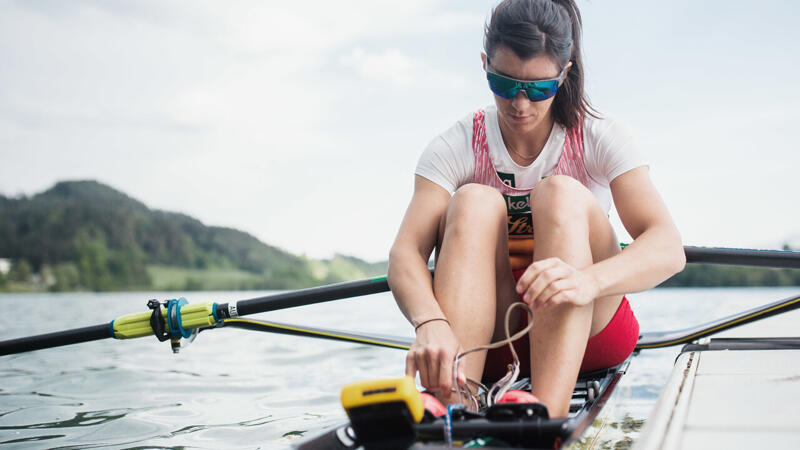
(176,329)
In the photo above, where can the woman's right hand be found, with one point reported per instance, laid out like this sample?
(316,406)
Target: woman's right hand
(432,355)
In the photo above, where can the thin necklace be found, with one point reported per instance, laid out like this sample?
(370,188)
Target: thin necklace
(525,158)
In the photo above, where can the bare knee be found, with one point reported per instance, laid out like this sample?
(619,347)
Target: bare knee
(561,200)
(475,207)
(478,194)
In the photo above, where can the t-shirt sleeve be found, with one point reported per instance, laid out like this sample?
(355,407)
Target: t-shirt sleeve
(447,161)
(612,149)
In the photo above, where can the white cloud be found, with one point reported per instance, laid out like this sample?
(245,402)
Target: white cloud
(301,122)
(397,70)
(389,66)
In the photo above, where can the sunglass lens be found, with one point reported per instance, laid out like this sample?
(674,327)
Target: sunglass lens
(502,86)
(541,90)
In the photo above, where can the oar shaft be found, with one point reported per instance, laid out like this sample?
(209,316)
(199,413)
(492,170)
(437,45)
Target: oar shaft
(305,297)
(743,257)
(322,333)
(57,339)
(670,338)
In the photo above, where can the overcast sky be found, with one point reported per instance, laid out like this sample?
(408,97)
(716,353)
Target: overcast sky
(301,122)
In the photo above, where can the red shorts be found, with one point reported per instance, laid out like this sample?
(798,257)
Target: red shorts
(607,348)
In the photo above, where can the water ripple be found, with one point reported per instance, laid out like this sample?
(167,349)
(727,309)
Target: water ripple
(247,423)
(81,419)
(34,438)
(87,418)
(237,389)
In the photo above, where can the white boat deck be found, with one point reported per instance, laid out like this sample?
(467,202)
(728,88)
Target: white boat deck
(731,398)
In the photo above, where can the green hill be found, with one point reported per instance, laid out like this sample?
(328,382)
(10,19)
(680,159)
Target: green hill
(86,235)
(83,235)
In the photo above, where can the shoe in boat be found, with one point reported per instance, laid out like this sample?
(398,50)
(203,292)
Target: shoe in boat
(432,405)
(518,396)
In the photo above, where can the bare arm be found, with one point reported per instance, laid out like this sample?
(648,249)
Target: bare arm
(435,345)
(408,275)
(656,252)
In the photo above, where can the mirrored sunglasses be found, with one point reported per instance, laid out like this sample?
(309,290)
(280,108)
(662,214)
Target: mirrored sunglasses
(536,90)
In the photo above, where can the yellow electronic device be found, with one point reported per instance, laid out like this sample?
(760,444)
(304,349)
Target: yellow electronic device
(383,412)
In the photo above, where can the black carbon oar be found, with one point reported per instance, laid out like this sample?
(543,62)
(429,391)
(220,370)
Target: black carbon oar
(785,259)
(205,315)
(55,339)
(303,297)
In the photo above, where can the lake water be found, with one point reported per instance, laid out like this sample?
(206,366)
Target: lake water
(243,389)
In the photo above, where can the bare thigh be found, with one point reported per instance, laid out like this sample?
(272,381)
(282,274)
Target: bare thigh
(505,285)
(473,282)
(568,194)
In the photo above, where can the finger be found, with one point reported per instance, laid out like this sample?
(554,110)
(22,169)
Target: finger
(422,367)
(432,361)
(545,279)
(532,272)
(558,299)
(445,374)
(553,289)
(539,268)
(411,366)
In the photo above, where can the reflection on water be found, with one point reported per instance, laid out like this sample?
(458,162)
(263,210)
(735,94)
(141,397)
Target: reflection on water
(81,419)
(607,434)
(31,439)
(242,389)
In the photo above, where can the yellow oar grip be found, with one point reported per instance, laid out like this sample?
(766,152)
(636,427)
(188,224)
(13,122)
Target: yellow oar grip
(198,315)
(193,316)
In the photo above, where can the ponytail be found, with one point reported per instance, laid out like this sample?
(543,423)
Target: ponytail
(551,27)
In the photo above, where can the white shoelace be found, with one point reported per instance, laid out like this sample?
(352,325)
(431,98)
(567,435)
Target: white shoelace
(502,385)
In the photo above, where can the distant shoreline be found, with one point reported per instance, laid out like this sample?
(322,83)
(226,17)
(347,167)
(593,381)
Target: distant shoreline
(179,279)
(86,236)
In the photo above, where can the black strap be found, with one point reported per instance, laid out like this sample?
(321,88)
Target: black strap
(157,320)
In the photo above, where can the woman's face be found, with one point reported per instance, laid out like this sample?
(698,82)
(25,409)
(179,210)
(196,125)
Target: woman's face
(519,114)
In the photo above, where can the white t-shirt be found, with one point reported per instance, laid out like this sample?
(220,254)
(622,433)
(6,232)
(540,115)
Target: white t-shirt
(610,150)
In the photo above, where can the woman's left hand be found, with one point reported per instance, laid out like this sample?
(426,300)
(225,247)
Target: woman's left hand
(551,281)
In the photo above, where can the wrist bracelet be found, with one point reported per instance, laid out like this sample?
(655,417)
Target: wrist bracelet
(431,320)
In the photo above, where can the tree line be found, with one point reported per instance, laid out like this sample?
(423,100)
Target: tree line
(83,235)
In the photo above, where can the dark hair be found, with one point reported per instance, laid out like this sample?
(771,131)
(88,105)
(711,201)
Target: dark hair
(553,27)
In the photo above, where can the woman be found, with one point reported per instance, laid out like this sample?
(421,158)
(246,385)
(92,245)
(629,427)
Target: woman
(539,161)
